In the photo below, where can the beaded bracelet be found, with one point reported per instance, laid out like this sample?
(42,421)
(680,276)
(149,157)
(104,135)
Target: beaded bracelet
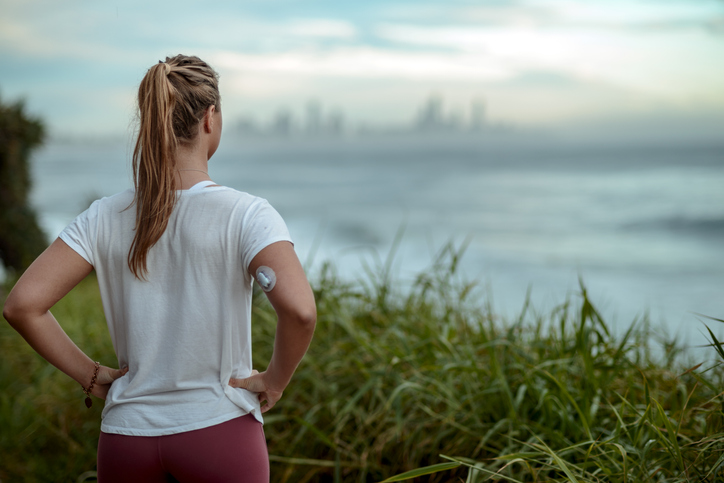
(88,401)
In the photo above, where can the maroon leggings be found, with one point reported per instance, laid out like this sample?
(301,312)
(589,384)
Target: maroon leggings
(234,451)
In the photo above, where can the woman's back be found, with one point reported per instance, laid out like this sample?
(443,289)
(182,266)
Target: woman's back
(184,331)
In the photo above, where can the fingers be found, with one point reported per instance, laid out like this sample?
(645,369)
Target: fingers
(106,375)
(253,383)
(265,404)
(247,383)
(268,397)
(266,407)
(116,373)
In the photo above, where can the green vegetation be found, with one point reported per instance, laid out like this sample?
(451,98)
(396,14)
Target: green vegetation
(399,381)
(21,239)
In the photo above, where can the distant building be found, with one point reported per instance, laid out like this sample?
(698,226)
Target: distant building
(430,118)
(314,118)
(247,127)
(335,123)
(477,115)
(455,121)
(282,124)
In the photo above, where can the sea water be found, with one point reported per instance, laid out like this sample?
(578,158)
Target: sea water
(641,225)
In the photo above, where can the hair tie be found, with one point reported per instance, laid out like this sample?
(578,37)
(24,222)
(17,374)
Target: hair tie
(166,67)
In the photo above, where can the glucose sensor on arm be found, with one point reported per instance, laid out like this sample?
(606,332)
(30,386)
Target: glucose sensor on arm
(266,278)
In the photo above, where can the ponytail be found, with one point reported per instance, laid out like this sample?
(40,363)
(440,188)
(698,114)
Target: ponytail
(172,99)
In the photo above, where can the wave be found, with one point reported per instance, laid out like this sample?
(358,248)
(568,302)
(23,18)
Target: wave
(684,225)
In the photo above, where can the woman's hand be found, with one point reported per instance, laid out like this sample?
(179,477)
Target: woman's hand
(257,383)
(105,378)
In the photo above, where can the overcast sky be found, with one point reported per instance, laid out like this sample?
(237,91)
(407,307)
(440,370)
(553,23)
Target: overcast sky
(78,62)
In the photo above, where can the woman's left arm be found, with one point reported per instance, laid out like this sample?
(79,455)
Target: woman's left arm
(27,308)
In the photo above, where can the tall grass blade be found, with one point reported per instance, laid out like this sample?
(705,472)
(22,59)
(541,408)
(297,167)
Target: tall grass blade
(427,470)
(475,466)
(715,342)
(559,461)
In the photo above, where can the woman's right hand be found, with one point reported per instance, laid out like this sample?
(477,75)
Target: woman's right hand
(106,376)
(257,383)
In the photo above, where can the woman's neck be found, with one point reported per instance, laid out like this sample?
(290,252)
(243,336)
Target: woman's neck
(192,166)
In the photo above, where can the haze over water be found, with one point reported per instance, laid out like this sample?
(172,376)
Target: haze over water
(642,225)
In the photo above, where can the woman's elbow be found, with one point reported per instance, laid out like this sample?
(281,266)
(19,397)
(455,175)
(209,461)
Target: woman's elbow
(307,317)
(298,310)
(17,309)
(12,310)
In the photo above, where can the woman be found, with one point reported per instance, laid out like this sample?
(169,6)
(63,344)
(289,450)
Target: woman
(175,260)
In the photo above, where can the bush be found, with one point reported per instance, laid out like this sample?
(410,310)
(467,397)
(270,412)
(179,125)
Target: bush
(21,239)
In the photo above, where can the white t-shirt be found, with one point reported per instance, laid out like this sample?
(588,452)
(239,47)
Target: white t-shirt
(187,329)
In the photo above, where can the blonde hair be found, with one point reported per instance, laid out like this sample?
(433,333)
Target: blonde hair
(172,99)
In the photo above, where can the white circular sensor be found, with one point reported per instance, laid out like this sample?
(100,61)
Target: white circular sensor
(266,278)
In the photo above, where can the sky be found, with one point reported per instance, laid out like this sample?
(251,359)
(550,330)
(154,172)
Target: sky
(77,63)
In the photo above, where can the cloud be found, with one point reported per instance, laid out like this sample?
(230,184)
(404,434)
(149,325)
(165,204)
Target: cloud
(580,53)
(639,16)
(366,62)
(322,28)
(65,34)
(104,32)
(563,57)
(666,63)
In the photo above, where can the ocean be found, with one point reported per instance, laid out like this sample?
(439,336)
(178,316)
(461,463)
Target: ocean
(641,225)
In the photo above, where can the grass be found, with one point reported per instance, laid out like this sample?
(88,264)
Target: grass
(424,380)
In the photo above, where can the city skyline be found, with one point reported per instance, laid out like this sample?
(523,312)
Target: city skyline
(315,120)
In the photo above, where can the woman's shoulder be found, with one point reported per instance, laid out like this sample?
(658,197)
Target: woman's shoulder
(245,206)
(234,195)
(122,199)
(106,202)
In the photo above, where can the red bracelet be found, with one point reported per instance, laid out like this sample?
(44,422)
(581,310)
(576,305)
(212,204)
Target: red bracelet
(88,401)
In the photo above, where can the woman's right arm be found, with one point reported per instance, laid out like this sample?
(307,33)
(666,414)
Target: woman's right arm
(293,302)
(27,308)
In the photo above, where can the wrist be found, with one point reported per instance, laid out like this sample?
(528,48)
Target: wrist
(88,389)
(273,380)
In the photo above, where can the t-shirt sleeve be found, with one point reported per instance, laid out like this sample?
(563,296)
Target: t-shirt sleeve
(81,234)
(262,226)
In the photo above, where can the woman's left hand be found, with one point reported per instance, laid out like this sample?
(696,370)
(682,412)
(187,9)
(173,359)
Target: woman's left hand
(257,383)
